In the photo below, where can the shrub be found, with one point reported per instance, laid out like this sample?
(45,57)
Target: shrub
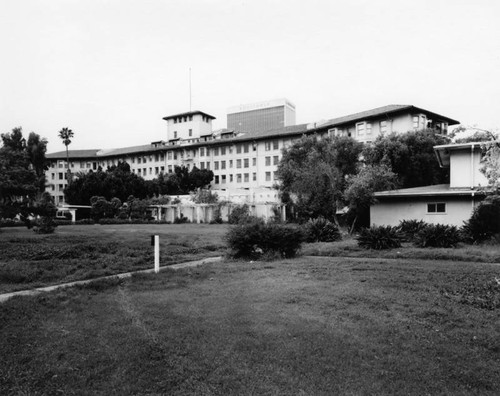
(379,237)
(409,228)
(321,230)
(181,219)
(44,225)
(85,221)
(438,235)
(484,222)
(257,239)
(11,223)
(240,213)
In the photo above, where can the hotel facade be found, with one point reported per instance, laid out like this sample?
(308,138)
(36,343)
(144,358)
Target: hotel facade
(244,163)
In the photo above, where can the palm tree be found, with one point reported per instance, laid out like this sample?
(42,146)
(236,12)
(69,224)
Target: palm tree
(66,135)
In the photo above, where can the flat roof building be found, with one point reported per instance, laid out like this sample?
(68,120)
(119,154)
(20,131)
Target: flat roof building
(261,116)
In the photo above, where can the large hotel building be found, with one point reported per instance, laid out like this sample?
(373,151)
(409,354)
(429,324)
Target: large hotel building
(244,157)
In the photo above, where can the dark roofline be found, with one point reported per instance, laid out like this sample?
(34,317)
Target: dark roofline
(188,113)
(384,110)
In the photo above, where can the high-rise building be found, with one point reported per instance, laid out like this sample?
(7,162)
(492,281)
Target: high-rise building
(261,116)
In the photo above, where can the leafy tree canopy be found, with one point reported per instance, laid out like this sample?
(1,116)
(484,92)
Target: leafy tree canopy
(313,174)
(410,155)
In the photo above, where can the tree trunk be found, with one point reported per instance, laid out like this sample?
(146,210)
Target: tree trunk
(353,225)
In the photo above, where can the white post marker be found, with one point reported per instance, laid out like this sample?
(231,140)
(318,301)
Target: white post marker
(157,253)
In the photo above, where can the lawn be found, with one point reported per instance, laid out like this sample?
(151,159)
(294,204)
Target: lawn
(308,326)
(29,260)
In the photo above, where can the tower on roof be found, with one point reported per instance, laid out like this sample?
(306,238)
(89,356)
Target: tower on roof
(261,116)
(189,125)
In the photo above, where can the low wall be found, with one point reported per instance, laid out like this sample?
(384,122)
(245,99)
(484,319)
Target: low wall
(205,213)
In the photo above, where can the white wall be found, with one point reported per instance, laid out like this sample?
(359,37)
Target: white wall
(392,212)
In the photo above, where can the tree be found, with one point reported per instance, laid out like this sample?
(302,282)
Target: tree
(22,177)
(313,174)
(66,135)
(36,149)
(410,155)
(491,163)
(361,188)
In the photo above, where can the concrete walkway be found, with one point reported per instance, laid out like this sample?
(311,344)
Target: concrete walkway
(32,292)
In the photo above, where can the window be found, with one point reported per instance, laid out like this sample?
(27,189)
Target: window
(267,146)
(175,134)
(223,179)
(216,179)
(238,163)
(238,178)
(415,121)
(139,171)
(439,207)
(162,157)
(245,148)
(190,132)
(254,161)
(53,175)
(216,151)
(238,149)
(150,171)
(276,160)
(157,170)
(383,126)
(276,144)
(162,169)
(360,128)
(223,164)
(230,178)
(268,176)
(169,156)
(246,163)
(223,151)
(169,169)
(254,176)
(230,163)
(216,165)
(268,161)
(246,178)
(133,160)
(368,127)
(275,175)
(202,165)
(208,151)
(208,165)
(175,155)
(60,176)
(156,157)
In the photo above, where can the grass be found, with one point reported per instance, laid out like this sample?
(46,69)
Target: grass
(310,326)
(28,260)
(348,247)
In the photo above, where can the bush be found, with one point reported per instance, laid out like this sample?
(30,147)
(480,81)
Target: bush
(85,221)
(438,235)
(409,228)
(181,219)
(378,238)
(321,230)
(44,225)
(240,213)
(11,223)
(484,222)
(257,239)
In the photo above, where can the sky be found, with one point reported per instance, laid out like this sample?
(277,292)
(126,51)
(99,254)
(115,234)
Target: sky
(110,70)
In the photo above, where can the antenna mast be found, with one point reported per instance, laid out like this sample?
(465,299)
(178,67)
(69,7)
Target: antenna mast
(189,89)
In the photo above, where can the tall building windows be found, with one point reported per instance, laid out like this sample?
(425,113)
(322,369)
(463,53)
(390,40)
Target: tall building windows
(254,161)
(223,150)
(267,146)
(175,134)
(268,161)
(230,163)
(383,126)
(360,129)
(216,151)
(202,151)
(246,178)
(216,165)
(223,164)
(238,163)
(238,149)
(190,132)
(245,148)
(268,176)
(238,178)
(276,144)
(246,163)
(276,160)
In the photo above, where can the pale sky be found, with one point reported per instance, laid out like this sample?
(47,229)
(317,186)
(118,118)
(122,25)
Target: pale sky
(111,69)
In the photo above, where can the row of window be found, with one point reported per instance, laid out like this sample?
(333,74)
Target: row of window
(243,178)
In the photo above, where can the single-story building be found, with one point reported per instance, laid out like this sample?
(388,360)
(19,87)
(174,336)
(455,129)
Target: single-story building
(451,203)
